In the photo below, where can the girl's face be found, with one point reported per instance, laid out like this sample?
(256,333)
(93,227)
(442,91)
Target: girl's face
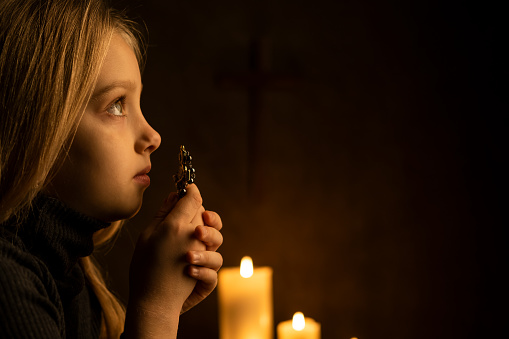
(104,175)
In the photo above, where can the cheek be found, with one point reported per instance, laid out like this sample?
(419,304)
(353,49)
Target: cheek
(100,165)
(96,149)
(100,171)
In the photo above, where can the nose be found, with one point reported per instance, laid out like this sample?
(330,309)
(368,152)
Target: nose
(149,140)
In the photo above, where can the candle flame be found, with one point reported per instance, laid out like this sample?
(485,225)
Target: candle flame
(246,267)
(298,321)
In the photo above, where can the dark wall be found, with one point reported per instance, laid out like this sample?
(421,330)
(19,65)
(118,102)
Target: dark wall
(378,172)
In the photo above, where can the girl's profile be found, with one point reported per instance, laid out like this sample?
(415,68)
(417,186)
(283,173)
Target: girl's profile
(74,162)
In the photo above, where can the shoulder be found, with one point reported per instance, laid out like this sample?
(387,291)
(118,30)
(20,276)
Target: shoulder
(18,267)
(29,301)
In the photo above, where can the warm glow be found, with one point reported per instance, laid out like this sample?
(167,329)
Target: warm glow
(246,267)
(298,322)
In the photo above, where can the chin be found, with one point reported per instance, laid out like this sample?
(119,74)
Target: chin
(124,211)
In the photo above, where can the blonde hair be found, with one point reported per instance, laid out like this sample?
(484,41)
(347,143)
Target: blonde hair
(51,53)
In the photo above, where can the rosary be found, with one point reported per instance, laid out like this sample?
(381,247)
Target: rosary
(186,173)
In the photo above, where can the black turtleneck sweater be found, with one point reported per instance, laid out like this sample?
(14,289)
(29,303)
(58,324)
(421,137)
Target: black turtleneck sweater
(43,292)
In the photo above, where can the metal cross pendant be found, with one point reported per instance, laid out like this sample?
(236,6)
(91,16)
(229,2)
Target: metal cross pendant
(186,173)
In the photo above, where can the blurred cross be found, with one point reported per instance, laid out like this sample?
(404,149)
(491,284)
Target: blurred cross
(255,81)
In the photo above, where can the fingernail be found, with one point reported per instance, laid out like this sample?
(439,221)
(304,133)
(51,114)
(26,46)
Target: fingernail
(195,257)
(194,271)
(167,201)
(204,231)
(172,199)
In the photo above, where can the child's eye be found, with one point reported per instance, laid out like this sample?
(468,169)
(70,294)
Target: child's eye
(117,108)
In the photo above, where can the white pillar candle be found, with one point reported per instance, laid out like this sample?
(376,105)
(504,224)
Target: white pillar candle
(299,328)
(245,302)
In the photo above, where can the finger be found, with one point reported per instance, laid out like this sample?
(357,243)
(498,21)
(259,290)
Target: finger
(212,219)
(211,237)
(198,218)
(186,208)
(205,275)
(212,260)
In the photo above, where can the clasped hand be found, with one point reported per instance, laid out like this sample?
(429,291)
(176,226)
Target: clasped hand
(175,262)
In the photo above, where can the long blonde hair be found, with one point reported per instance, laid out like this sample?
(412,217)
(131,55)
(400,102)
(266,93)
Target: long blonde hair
(51,53)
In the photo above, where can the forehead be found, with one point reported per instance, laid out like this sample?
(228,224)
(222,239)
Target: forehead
(119,65)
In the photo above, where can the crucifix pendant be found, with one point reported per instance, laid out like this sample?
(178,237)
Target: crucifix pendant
(186,173)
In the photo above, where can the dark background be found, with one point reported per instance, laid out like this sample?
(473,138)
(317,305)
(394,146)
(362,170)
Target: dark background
(375,191)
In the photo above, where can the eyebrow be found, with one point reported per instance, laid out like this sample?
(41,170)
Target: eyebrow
(126,84)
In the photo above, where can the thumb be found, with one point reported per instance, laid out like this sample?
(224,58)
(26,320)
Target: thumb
(167,206)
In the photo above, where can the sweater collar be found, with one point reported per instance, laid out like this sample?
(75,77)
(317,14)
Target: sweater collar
(58,234)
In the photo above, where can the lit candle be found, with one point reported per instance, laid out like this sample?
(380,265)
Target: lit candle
(299,328)
(245,302)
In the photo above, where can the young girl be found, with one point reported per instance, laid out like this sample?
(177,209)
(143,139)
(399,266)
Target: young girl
(74,156)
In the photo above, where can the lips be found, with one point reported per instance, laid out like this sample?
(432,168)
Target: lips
(142,176)
(144,171)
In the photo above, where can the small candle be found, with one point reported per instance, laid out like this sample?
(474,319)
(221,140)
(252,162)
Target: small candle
(299,327)
(245,302)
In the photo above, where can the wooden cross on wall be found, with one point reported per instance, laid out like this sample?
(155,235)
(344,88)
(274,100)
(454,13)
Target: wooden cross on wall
(255,81)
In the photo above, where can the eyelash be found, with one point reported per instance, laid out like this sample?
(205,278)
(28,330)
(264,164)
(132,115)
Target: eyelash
(121,101)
